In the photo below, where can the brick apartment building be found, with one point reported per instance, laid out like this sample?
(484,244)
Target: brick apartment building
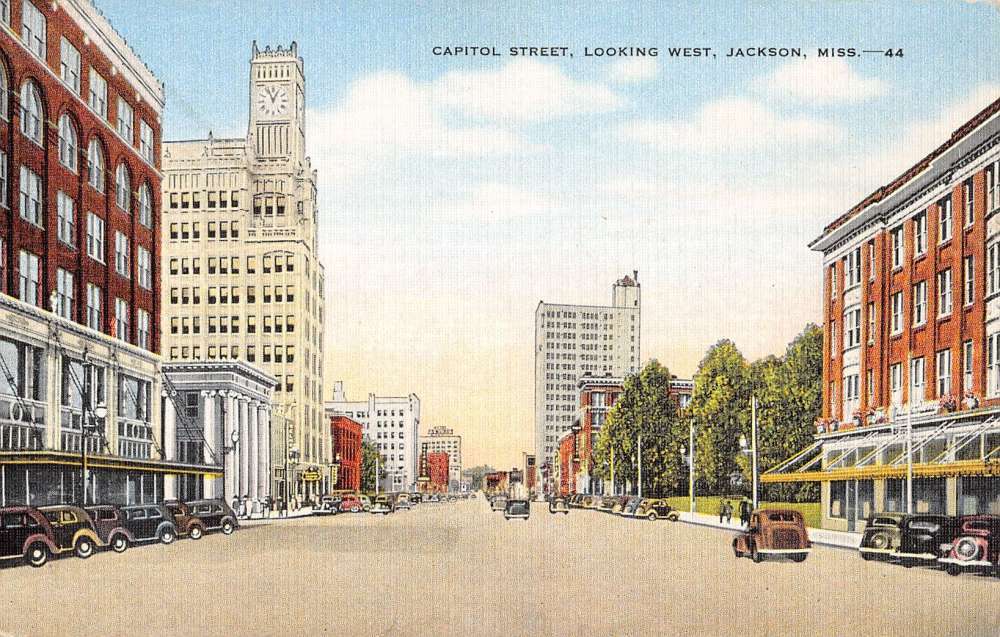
(346,435)
(911,309)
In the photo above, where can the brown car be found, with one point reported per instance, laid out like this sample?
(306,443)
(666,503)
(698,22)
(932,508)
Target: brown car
(188,524)
(779,532)
(108,521)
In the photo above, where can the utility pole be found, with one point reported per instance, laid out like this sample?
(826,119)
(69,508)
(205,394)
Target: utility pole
(640,465)
(691,508)
(909,457)
(613,471)
(753,443)
(376,473)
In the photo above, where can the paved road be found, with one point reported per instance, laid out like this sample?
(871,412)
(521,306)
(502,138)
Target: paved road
(457,569)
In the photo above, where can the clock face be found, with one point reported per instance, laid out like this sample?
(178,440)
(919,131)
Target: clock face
(272,100)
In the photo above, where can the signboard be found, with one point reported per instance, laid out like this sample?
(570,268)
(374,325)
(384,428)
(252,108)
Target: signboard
(312,474)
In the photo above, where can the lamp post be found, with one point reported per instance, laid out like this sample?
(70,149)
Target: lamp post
(234,438)
(751,448)
(689,458)
(88,426)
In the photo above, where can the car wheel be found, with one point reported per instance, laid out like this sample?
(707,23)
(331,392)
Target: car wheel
(167,536)
(84,548)
(355,509)
(954,570)
(755,555)
(673,517)
(651,516)
(228,528)
(37,554)
(868,557)
(801,557)
(196,533)
(119,544)
(879,541)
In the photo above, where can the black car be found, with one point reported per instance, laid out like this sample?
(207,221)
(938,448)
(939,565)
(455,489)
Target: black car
(558,505)
(630,506)
(656,509)
(215,515)
(328,505)
(517,509)
(882,536)
(922,536)
(150,523)
(72,529)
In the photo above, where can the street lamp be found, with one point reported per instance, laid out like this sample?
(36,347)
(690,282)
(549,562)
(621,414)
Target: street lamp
(227,449)
(751,446)
(689,459)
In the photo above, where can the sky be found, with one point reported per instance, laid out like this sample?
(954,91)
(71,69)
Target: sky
(457,192)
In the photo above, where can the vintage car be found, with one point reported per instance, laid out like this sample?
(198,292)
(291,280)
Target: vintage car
(922,537)
(188,524)
(882,536)
(26,534)
(109,522)
(72,529)
(215,515)
(606,504)
(351,504)
(656,509)
(366,503)
(558,505)
(433,498)
(150,523)
(590,502)
(778,532)
(631,504)
(517,509)
(498,503)
(403,501)
(327,505)
(976,547)
(384,504)
(416,498)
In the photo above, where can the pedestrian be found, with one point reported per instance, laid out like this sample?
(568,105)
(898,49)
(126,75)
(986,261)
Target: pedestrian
(282,507)
(745,511)
(236,505)
(722,510)
(266,505)
(242,512)
(729,512)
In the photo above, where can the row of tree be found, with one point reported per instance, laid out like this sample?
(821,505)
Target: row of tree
(788,390)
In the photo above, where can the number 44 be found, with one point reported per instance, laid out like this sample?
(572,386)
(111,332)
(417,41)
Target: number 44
(893,53)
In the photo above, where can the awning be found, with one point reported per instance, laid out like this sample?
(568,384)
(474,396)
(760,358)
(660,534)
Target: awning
(107,462)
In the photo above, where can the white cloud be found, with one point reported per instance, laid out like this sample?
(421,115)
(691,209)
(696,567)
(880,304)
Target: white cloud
(522,91)
(732,124)
(820,81)
(633,70)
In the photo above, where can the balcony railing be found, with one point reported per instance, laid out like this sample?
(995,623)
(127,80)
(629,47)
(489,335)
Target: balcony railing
(22,424)
(135,438)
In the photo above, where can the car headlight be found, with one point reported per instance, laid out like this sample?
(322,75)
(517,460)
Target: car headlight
(966,549)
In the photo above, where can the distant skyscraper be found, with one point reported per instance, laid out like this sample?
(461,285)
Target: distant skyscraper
(573,339)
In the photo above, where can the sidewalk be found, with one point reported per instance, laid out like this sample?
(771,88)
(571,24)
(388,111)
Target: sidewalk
(301,513)
(824,537)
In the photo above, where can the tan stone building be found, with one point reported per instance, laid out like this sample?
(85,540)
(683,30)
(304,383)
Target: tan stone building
(241,276)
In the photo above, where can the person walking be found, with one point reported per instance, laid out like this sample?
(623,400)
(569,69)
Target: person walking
(236,505)
(722,510)
(729,512)
(242,512)
(745,511)
(282,507)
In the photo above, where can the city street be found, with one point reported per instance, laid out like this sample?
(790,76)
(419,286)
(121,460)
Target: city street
(458,569)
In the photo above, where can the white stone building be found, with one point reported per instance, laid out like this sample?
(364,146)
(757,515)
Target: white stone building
(444,439)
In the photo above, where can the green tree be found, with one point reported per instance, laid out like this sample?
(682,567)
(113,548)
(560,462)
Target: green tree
(644,407)
(370,456)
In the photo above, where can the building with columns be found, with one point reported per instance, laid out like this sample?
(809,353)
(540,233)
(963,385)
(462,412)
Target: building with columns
(242,276)
(220,413)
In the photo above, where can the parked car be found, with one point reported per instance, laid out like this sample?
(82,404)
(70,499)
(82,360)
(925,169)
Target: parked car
(383,504)
(403,501)
(499,503)
(150,523)
(433,498)
(590,502)
(631,504)
(188,524)
(215,515)
(517,509)
(976,546)
(327,505)
(656,509)
(72,529)
(416,498)
(109,522)
(605,504)
(351,504)
(575,501)
(26,534)
(882,536)
(558,505)
(366,503)
(922,537)
(780,532)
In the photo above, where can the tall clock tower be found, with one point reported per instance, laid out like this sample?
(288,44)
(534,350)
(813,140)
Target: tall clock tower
(277,126)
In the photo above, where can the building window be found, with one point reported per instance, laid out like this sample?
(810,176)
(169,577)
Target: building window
(944,292)
(871,260)
(917,380)
(33,29)
(920,303)
(851,394)
(121,319)
(68,148)
(95,307)
(3,168)
(920,234)
(95,237)
(870,386)
(64,294)
(944,220)
(145,206)
(969,283)
(834,345)
(97,97)
(993,187)
(145,266)
(123,188)
(852,268)
(993,364)
(852,328)
(967,361)
(146,141)
(31,196)
(142,328)
(69,65)
(95,165)
(993,269)
(125,120)
(897,313)
(31,112)
(871,323)
(122,255)
(66,217)
(28,278)
(897,247)
(943,371)
(968,202)
(896,383)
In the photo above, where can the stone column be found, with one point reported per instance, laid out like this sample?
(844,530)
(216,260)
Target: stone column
(229,426)
(208,399)
(264,471)
(169,445)
(244,423)
(251,447)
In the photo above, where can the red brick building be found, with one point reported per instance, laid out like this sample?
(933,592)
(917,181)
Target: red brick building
(911,311)
(346,435)
(437,470)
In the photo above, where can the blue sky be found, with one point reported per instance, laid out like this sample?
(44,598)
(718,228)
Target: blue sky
(457,192)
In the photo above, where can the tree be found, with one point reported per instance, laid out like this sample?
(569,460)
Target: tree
(645,407)
(369,455)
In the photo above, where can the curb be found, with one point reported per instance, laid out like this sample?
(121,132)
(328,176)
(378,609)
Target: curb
(822,537)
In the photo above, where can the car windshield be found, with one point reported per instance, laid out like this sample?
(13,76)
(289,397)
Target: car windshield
(53,516)
(924,525)
(784,516)
(884,522)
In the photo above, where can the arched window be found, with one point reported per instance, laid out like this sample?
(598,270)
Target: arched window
(3,92)
(95,163)
(123,188)
(145,206)
(31,112)
(68,148)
